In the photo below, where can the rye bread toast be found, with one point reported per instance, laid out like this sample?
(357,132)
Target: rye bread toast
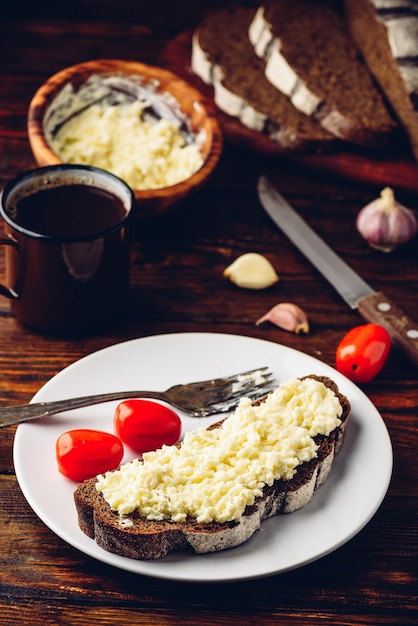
(136,537)
(223,57)
(310,57)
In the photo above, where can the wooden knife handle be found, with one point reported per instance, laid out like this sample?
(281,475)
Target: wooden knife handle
(379,309)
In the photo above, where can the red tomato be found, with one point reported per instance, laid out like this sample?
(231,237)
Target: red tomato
(84,453)
(145,425)
(363,352)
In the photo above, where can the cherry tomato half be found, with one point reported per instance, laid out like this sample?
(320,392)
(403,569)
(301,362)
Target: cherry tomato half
(362,352)
(145,425)
(84,453)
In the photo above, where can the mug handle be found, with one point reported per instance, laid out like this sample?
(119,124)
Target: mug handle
(5,291)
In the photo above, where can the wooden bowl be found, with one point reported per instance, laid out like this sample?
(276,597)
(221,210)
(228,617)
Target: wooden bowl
(195,112)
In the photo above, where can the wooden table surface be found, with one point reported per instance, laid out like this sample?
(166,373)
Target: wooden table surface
(177,286)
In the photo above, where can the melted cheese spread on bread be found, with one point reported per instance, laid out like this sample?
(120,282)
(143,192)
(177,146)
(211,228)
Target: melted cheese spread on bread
(215,474)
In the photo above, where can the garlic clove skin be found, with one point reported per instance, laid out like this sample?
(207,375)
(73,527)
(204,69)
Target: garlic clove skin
(287,316)
(251,271)
(385,223)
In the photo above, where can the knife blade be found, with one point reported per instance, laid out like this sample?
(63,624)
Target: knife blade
(372,305)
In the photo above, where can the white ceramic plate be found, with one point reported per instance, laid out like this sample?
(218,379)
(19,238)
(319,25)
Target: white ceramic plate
(339,510)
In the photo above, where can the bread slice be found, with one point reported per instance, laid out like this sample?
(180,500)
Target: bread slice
(223,57)
(311,58)
(136,537)
(387,35)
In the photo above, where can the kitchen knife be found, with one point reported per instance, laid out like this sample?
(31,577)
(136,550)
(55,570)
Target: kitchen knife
(373,305)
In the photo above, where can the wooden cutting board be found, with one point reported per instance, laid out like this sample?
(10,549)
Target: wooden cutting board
(394,166)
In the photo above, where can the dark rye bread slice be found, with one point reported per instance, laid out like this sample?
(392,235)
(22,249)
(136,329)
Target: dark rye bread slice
(311,57)
(386,32)
(150,540)
(223,56)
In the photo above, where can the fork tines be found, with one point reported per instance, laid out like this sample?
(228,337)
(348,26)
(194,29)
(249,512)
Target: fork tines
(253,384)
(251,377)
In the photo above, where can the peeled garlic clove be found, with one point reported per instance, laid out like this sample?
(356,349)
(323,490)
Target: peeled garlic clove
(251,271)
(385,223)
(287,316)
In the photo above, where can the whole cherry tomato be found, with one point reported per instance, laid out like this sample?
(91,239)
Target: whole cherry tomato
(145,425)
(84,453)
(362,352)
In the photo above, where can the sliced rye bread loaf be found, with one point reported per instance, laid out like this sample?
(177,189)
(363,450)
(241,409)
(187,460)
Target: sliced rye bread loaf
(222,56)
(386,33)
(135,537)
(311,57)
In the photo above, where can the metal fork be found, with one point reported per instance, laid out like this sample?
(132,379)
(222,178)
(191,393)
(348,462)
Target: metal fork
(199,399)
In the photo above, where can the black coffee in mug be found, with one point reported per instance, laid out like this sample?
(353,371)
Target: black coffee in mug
(67,249)
(69,210)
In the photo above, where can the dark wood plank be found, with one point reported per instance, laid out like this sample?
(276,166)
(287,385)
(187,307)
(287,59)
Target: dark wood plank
(177,285)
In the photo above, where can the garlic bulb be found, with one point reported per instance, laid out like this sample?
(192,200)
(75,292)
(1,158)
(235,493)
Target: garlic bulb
(385,223)
(287,316)
(251,271)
